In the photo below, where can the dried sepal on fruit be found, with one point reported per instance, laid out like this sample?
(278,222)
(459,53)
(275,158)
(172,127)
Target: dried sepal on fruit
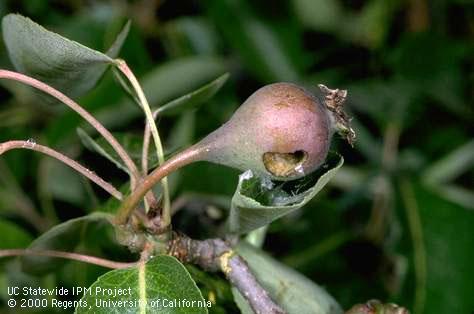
(334,100)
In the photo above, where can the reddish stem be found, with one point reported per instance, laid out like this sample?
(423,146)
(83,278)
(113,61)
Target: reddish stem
(6,146)
(67,255)
(135,175)
(192,154)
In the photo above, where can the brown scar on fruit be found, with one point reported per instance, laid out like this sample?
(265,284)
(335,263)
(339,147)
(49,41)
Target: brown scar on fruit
(302,99)
(308,104)
(284,164)
(280,105)
(334,100)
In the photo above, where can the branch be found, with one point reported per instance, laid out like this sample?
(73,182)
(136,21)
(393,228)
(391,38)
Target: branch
(217,255)
(135,175)
(67,255)
(6,146)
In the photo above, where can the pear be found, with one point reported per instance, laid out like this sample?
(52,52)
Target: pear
(281,131)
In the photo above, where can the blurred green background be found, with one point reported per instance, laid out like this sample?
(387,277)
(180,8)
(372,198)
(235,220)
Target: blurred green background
(397,222)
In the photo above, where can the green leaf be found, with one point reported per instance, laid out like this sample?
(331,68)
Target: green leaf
(450,166)
(443,234)
(215,287)
(456,194)
(13,237)
(62,63)
(433,65)
(258,201)
(182,132)
(320,15)
(257,44)
(103,148)
(368,26)
(62,237)
(190,36)
(172,79)
(114,50)
(150,288)
(164,83)
(291,290)
(62,183)
(133,144)
(195,98)
(371,26)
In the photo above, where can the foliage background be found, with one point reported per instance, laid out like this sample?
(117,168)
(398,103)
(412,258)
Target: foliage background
(396,222)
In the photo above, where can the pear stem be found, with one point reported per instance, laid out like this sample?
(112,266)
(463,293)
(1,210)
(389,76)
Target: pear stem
(123,67)
(146,143)
(67,255)
(15,76)
(189,155)
(6,146)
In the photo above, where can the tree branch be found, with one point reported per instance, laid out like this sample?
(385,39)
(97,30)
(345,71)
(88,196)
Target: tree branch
(217,255)
(6,146)
(67,255)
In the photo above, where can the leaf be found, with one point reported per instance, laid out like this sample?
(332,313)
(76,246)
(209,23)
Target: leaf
(103,148)
(291,290)
(257,202)
(164,83)
(13,237)
(195,98)
(153,287)
(446,240)
(215,287)
(368,26)
(62,237)
(190,36)
(181,135)
(367,144)
(172,79)
(133,144)
(182,132)
(456,194)
(320,15)
(450,166)
(62,183)
(257,44)
(114,50)
(384,101)
(371,26)
(433,64)
(62,63)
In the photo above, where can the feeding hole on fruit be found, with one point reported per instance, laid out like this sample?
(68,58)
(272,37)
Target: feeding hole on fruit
(284,164)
